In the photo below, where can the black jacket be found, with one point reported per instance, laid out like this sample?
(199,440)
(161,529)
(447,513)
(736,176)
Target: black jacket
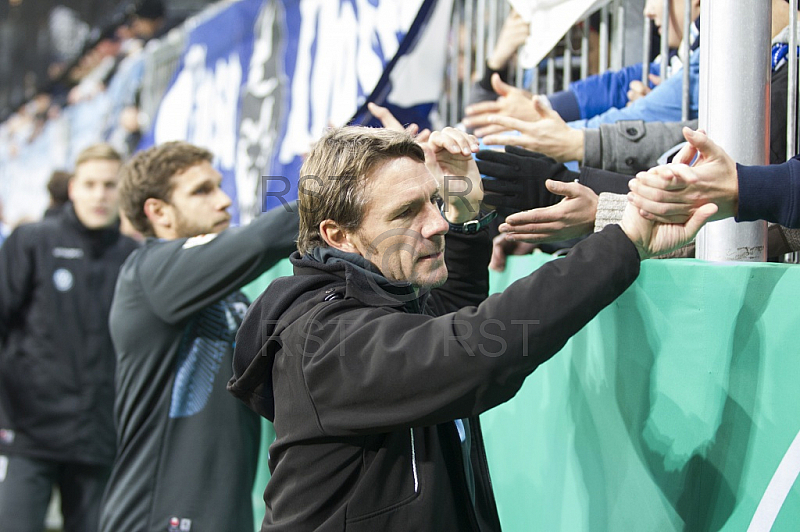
(56,359)
(363,392)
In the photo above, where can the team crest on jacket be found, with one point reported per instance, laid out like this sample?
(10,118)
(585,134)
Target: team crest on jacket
(63,280)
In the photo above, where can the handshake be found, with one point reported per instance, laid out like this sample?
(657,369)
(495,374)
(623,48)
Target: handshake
(548,202)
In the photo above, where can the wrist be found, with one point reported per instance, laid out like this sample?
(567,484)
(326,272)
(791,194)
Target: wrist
(471,226)
(575,143)
(496,62)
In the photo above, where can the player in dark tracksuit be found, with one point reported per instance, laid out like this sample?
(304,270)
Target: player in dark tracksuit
(188,450)
(57,279)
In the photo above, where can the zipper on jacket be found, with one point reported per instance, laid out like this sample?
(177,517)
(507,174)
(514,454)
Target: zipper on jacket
(459,451)
(414,463)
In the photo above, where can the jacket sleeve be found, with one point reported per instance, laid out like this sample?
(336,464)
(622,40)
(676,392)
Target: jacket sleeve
(184,276)
(631,146)
(596,94)
(663,104)
(467,259)
(770,193)
(16,275)
(373,370)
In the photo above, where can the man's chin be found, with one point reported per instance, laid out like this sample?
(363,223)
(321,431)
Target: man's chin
(432,280)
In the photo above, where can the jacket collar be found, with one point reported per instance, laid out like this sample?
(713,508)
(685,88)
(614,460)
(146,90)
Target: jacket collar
(363,280)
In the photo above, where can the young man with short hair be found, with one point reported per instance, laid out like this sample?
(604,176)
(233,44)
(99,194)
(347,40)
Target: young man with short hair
(375,359)
(57,279)
(187,450)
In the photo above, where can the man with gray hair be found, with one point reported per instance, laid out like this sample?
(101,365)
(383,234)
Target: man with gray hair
(375,359)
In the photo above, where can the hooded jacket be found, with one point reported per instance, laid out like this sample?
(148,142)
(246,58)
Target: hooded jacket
(56,358)
(364,385)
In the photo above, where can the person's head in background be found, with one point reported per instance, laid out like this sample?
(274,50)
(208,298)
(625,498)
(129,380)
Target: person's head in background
(147,19)
(654,10)
(58,189)
(172,191)
(93,187)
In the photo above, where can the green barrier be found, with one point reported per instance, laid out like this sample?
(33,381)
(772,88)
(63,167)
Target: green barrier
(675,409)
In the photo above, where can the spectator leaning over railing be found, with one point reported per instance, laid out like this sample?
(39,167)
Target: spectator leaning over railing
(601,98)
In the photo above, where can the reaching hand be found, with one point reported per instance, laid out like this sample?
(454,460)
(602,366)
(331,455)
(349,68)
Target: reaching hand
(637,89)
(653,238)
(572,217)
(512,35)
(388,121)
(520,177)
(448,156)
(512,102)
(548,134)
(672,193)
(502,248)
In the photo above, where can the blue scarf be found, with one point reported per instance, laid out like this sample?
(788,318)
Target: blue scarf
(780,51)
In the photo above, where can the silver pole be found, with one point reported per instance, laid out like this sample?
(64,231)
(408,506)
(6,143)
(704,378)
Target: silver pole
(519,72)
(618,40)
(455,62)
(685,51)
(585,49)
(665,41)
(734,68)
(567,59)
(646,43)
(535,78)
(791,118)
(469,25)
(480,38)
(491,33)
(603,63)
(551,73)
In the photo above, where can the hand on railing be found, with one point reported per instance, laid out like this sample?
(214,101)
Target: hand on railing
(637,89)
(512,36)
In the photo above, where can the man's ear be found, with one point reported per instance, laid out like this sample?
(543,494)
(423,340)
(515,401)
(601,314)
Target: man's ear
(159,214)
(336,237)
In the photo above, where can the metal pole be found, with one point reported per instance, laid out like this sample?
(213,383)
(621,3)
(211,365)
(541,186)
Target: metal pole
(648,34)
(603,39)
(735,69)
(791,118)
(455,62)
(585,49)
(480,38)
(685,51)
(469,25)
(519,73)
(551,73)
(535,79)
(567,77)
(665,41)
(491,34)
(618,39)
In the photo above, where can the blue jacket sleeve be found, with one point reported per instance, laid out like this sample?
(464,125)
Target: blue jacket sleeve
(599,93)
(770,193)
(663,104)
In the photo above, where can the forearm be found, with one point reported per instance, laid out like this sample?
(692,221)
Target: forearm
(631,146)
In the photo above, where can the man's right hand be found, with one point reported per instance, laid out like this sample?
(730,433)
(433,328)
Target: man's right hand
(671,193)
(653,238)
